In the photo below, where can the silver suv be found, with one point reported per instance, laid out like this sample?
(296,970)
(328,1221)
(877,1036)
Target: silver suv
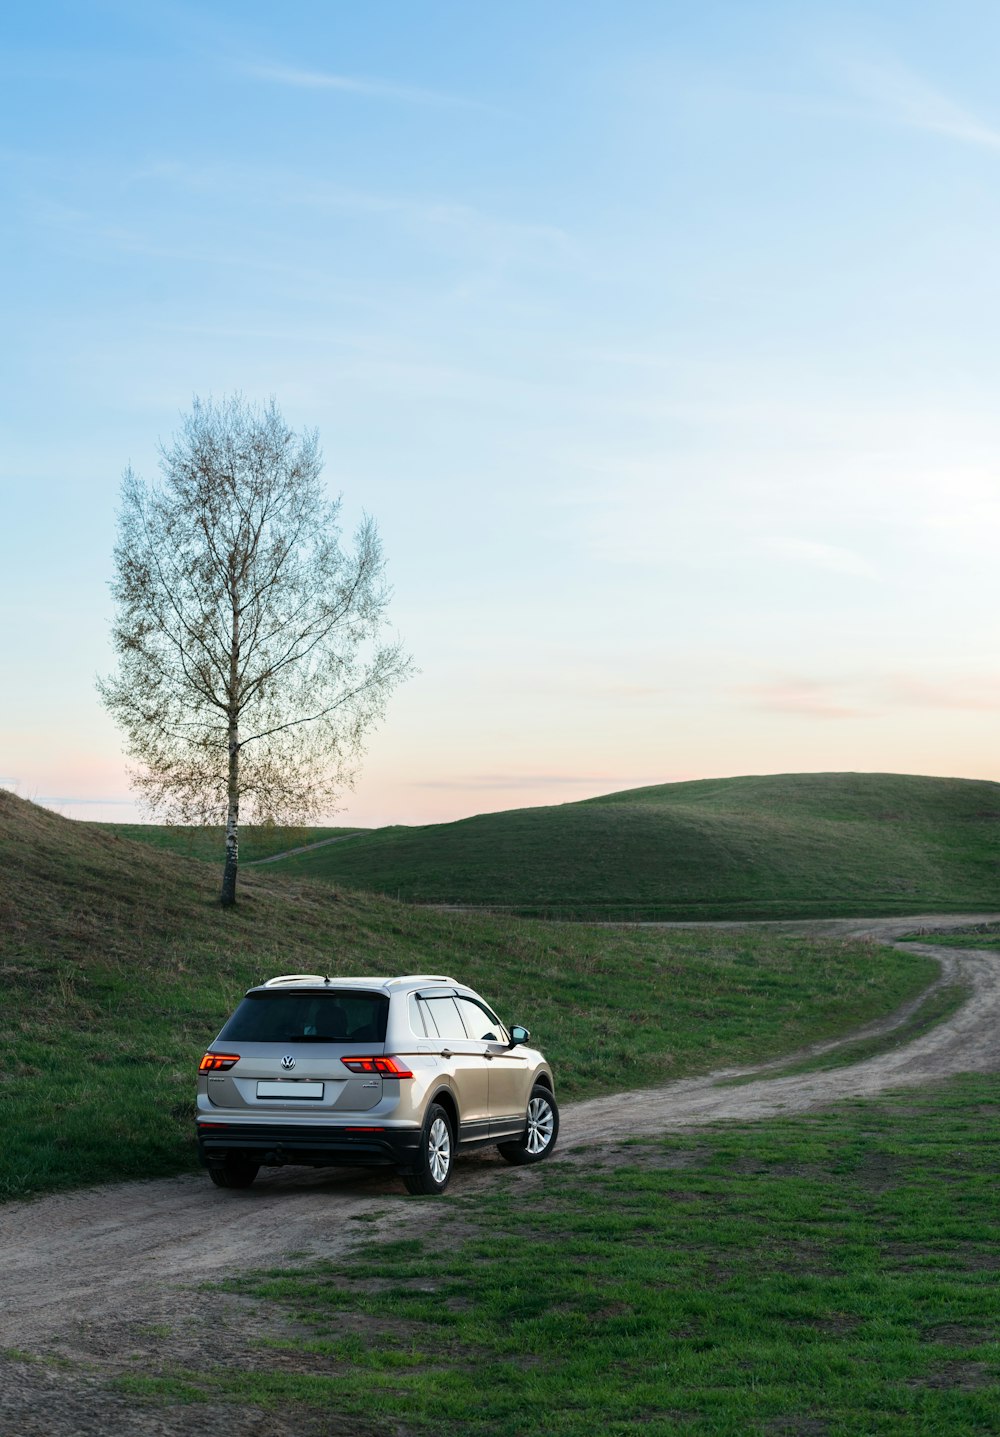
(403,1072)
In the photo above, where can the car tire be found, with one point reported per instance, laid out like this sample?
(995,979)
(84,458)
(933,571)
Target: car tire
(540,1132)
(437,1151)
(233,1173)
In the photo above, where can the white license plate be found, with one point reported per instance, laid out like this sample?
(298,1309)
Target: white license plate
(291,1092)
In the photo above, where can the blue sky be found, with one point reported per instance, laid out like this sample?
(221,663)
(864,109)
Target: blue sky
(660,339)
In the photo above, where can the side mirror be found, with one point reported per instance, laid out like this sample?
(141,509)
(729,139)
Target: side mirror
(518,1035)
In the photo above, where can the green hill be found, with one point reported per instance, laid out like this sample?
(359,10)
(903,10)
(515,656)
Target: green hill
(789,845)
(118,967)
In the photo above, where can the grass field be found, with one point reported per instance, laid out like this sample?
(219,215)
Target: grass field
(831,1275)
(119,967)
(794,845)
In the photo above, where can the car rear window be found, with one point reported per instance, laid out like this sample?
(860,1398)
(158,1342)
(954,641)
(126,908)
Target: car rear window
(440,1017)
(337,1016)
(436,1016)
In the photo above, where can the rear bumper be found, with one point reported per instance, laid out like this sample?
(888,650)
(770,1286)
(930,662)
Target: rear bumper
(312,1145)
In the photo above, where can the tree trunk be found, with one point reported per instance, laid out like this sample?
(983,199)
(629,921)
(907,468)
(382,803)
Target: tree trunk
(228,897)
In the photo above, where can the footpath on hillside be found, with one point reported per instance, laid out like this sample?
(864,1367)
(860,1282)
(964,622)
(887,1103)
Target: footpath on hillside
(302,848)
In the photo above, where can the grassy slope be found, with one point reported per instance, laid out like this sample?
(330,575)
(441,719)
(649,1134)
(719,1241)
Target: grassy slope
(785,845)
(118,967)
(833,1273)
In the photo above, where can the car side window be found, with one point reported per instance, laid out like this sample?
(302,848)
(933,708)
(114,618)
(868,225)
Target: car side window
(479,1022)
(442,1018)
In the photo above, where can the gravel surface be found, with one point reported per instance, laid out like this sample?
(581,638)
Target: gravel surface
(106,1281)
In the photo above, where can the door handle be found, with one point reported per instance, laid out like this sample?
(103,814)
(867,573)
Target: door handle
(446,1052)
(488,1057)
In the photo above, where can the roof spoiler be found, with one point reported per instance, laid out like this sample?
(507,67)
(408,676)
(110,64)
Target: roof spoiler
(393,982)
(295,978)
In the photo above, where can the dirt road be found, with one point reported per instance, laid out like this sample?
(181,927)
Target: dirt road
(102,1276)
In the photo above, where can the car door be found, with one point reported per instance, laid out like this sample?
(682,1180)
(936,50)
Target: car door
(508,1067)
(463,1058)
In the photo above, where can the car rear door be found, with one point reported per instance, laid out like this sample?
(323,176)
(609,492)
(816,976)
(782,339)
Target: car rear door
(464,1059)
(287,1050)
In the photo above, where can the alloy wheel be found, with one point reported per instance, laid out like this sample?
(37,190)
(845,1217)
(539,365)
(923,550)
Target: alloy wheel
(540,1125)
(439,1150)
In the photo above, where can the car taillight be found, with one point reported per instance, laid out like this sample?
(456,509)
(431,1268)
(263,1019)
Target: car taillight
(387,1067)
(217,1062)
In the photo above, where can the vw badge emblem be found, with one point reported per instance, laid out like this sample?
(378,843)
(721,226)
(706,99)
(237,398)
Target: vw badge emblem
(288,1061)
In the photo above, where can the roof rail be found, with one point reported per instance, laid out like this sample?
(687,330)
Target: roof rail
(296,978)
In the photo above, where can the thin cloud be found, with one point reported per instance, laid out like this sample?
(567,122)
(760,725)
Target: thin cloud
(832,558)
(87,802)
(807,698)
(453,224)
(903,98)
(510,780)
(363,86)
(874,696)
(967,695)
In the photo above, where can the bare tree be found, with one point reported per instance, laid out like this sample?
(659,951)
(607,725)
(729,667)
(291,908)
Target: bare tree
(251,657)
